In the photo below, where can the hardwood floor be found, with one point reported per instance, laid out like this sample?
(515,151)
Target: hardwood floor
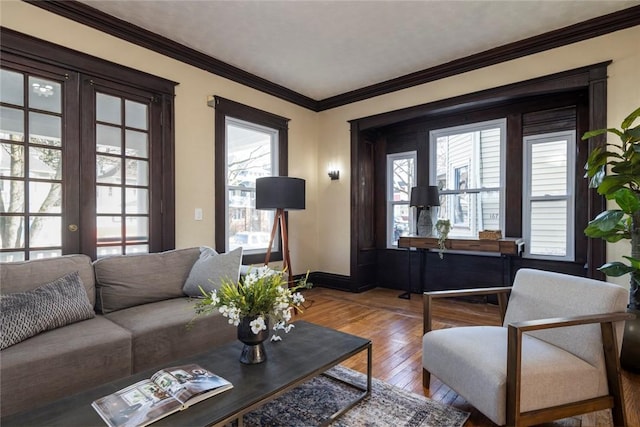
(394,326)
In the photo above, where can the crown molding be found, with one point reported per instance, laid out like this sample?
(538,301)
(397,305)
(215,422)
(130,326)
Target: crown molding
(101,21)
(94,18)
(595,27)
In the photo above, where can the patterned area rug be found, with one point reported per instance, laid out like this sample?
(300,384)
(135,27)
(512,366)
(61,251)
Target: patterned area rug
(314,401)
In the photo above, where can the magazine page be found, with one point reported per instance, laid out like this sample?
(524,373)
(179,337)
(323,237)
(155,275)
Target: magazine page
(190,384)
(137,405)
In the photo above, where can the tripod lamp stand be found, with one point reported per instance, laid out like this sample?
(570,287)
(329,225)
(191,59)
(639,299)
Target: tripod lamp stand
(280,193)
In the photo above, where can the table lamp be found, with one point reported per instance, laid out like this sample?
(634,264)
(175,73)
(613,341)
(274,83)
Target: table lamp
(425,198)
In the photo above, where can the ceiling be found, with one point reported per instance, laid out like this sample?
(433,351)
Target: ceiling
(321,48)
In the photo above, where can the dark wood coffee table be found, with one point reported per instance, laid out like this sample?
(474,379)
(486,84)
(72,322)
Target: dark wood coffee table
(307,351)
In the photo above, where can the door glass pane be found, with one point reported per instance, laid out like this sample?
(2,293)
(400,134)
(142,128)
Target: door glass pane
(108,109)
(11,124)
(136,115)
(45,163)
(11,256)
(12,85)
(45,95)
(136,144)
(137,172)
(108,170)
(12,195)
(52,253)
(45,231)
(137,229)
(45,197)
(12,160)
(104,251)
(137,201)
(12,235)
(45,129)
(108,139)
(109,229)
(108,199)
(137,249)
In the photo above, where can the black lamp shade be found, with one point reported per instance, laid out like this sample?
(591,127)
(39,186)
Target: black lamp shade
(424,196)
(280,192)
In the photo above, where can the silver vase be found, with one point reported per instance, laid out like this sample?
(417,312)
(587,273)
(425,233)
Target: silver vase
(253,351)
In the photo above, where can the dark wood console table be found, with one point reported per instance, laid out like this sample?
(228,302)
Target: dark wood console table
(508,248)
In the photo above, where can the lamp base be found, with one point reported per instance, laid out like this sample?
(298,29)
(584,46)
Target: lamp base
(425,223)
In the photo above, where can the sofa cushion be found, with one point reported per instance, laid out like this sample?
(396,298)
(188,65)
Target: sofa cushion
(56,304)
(129,280)
(26,275)
(162,331)
(211,268)
(63,361)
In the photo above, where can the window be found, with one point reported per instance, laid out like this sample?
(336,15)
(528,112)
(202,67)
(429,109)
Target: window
(401,172)
(252,153)
(467,165)
(548,201)
(249,144)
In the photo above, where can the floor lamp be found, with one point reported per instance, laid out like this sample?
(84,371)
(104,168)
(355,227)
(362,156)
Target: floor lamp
(426,198)
(280,193)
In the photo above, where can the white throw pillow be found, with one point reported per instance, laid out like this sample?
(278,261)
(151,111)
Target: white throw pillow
(210,269)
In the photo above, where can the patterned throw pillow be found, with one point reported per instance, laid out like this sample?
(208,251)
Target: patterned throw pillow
(50,306)
(210,269)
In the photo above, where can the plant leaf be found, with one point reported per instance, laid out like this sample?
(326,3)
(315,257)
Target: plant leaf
(615,269)
(626,123)
(635,263)
(627,200)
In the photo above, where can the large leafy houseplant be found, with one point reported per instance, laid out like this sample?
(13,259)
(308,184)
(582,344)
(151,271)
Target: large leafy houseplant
(614,170)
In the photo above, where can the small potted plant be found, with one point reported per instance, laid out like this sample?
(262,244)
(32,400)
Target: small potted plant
(614,170)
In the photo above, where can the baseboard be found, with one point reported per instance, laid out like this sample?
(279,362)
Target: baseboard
(332,281)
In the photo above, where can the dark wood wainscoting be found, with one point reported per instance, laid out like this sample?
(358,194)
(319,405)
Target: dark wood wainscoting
(455,270)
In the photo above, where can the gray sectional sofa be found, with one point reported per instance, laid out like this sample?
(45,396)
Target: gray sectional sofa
(137,319)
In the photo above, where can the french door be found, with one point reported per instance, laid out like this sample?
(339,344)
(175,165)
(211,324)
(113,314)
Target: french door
(82,162)
(116,194)
(38,163)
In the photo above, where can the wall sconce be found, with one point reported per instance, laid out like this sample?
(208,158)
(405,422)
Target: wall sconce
(334,175)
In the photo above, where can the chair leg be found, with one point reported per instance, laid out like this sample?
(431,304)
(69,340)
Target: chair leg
(612,365)
(426,378)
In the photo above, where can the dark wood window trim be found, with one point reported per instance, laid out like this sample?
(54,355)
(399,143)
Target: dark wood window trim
(94,18)
(591,79)
(226,108)
(38,53)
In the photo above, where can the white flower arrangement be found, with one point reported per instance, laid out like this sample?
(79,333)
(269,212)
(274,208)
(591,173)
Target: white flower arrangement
(262,294)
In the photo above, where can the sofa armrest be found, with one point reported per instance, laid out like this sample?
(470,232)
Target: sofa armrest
(501,292)
(609,347)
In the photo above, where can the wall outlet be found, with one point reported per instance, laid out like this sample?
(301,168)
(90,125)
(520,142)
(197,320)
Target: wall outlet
(198,214)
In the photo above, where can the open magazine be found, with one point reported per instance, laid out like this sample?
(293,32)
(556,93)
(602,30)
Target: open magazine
(167,391)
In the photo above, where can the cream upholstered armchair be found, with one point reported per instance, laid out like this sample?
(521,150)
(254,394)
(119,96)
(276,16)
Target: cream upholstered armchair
(556,355)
